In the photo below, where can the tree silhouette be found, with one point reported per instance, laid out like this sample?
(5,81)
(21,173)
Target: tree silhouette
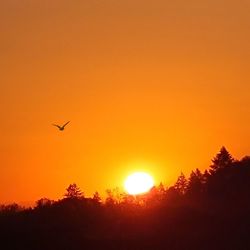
(181,184)
(195,183)
(217,204)
(97,197)
(222,160)
(110,199)
(44,202)
(73,191)
(10,208)
(162,190)
(206,176)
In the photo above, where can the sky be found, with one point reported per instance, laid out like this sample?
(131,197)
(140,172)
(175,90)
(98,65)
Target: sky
(150,85)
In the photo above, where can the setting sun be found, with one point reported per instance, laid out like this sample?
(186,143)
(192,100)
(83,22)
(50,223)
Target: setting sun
(138,183)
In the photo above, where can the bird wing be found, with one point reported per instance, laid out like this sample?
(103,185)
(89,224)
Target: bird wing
(56,125)
(65,124)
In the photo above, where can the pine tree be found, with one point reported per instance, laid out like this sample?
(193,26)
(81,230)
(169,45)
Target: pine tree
(206,176)
(181,184)
(222,160)
(161,189)
(73,191)
(195,183)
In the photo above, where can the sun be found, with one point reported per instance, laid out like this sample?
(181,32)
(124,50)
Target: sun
(138,183)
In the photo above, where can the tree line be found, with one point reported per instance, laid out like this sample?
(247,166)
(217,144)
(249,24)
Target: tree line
(206,210)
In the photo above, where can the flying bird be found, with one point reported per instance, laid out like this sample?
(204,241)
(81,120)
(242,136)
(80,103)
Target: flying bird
(61,128)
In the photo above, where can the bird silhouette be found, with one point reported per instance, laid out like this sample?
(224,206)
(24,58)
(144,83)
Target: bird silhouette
(61,128)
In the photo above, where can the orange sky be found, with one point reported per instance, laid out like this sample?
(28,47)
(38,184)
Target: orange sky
(153,85)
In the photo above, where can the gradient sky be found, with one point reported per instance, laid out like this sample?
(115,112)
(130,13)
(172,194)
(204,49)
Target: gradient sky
(149,85)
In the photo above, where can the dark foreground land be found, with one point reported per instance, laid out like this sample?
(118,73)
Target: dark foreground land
(209,210)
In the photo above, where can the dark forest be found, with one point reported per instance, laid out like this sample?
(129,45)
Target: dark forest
(206,210)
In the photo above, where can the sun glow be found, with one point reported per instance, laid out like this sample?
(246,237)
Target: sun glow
(138,183)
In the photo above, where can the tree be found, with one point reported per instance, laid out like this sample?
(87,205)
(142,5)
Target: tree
(245,161)
(222,160)
(110,199)
(181,184)
(206,176)
(118,195)
(73,191)
(161,189)
(195,183)
(11,208)
(96,197)
(44,202)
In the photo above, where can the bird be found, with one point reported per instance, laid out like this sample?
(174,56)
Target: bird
(61,128)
